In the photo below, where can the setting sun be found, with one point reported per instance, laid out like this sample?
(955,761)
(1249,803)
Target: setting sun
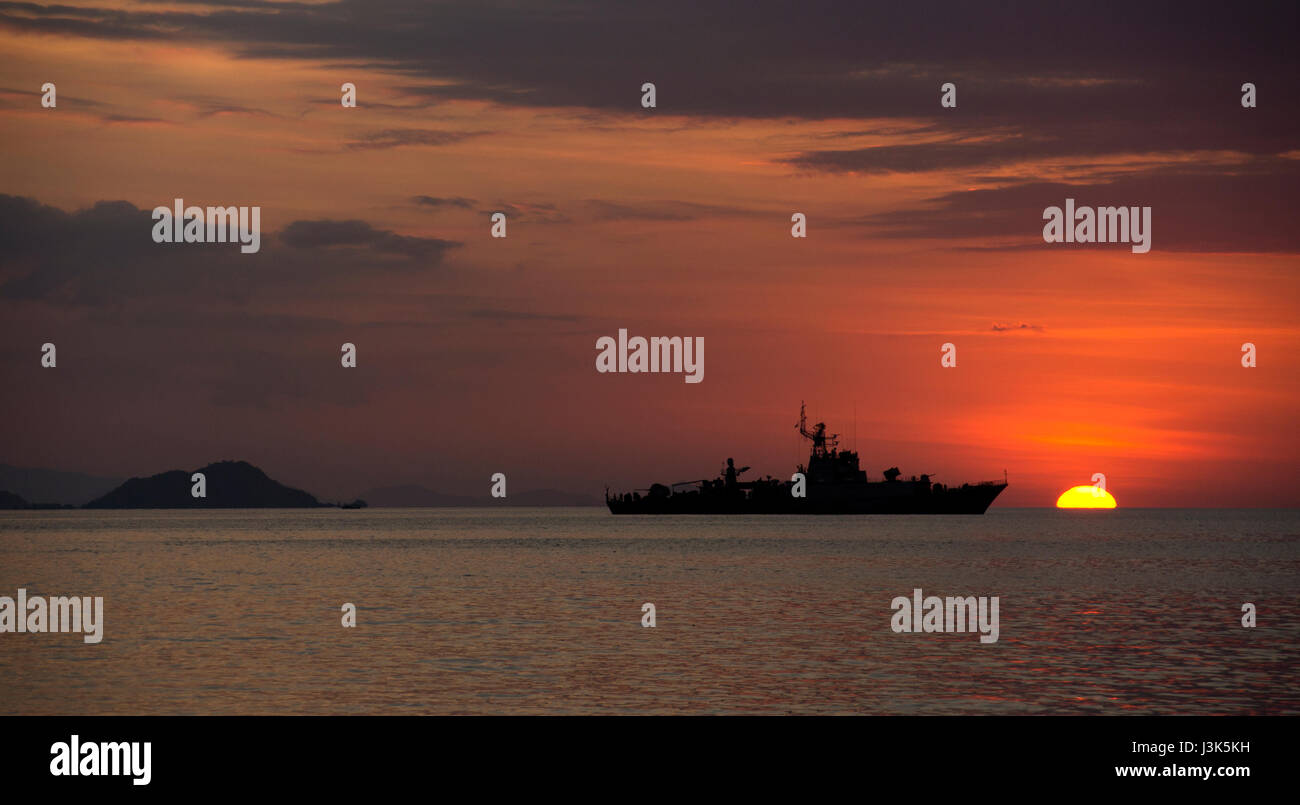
(1085,497)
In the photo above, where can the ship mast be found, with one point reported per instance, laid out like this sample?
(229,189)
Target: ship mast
(817,435)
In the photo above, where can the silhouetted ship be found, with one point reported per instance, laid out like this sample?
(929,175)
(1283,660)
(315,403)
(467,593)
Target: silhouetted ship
(833,485)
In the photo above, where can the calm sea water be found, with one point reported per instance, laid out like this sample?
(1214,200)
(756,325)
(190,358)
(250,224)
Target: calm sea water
(539,611)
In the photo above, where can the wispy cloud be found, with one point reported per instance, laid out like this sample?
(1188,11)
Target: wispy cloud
(398,138)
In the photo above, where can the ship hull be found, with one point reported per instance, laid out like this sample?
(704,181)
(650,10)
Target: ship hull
(898,497)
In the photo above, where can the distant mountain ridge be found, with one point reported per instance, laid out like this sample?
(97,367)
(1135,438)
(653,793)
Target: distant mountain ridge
(409,496)
(229,485)
(42,486)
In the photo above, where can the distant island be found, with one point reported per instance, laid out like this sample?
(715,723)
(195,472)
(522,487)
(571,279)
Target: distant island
(233,485)
(10,500)
(229,485)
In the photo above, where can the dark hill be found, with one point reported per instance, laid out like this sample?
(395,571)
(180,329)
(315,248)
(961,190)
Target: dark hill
(230,485)
(8,500)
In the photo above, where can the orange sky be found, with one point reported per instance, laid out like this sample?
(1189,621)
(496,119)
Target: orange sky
(658,221)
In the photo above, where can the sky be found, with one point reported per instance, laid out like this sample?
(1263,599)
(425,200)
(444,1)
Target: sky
(476,355)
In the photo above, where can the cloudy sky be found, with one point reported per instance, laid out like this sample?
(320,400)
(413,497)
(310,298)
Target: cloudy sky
(477,355)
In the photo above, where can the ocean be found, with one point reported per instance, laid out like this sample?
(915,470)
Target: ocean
(539,611)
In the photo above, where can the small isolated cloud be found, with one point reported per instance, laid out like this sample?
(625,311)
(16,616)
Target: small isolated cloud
(396,138)
(132,120)
(458,202)
(214,109)
(542,213)
(1005,328)
(657,210)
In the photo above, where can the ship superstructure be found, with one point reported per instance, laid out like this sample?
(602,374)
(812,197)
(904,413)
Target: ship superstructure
(833,483)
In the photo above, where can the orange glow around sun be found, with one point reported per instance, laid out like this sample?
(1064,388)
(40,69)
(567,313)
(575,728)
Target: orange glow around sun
(1085,497)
